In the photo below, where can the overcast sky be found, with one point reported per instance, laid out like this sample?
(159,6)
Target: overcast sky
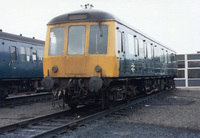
(174,23)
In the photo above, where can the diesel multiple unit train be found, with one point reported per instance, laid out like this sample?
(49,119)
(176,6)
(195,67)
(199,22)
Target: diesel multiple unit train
(21,66)
(92,56)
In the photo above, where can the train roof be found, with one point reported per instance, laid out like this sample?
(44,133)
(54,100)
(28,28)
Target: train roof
(96,15)
(20,38)
(83,15)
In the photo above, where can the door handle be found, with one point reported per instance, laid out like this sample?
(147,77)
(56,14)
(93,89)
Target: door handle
(10,63)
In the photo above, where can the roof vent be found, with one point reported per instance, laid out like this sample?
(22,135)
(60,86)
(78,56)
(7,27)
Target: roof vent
(1,30)
(33,37)
(20,34)
(198,52)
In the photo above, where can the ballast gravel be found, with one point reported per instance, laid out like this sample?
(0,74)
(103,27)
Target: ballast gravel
(174,116)
(14,114)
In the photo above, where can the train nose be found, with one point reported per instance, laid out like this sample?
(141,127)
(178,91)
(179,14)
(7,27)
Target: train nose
(47,83)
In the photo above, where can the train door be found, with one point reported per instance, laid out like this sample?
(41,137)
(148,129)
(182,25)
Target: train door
(14,63)
(122,53)
(34,63)
(23,70)
(4,58)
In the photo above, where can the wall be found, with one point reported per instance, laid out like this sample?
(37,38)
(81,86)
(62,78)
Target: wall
(188,74)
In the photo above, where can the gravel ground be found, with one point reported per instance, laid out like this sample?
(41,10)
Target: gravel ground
(23,112)
(177,115)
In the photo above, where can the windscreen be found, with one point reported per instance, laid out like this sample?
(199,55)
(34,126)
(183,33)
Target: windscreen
(76,40)
(56,43)
(98,39)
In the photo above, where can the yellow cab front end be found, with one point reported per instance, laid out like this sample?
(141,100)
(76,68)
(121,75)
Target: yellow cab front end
(81,56)
(81,50)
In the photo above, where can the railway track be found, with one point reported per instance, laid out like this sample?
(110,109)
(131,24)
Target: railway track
(53,125)
(24,99)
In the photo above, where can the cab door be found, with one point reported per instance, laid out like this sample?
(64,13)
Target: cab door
(14,63)
(122,53)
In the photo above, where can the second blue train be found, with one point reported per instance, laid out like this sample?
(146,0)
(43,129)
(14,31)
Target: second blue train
(21,63)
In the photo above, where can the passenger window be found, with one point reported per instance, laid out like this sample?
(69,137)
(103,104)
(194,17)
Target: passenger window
(166,55)
(149,51)
(22,54)
(173,60)
(56,43)
(40,55)
(119,42)
(76,40)
(145,49)
(34,55)
(13,52)
(98,39)
(162,55)
(131,44)
(28,54)
(156,52)
(169,57)
(141,49)
(136,46)
(153,51)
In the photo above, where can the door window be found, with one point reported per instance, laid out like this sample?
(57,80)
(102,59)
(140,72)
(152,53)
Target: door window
(22,54)
(28,54)
(34,55)
(13,52)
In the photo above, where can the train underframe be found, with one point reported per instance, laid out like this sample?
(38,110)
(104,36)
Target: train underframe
(13,86)
(107,91)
